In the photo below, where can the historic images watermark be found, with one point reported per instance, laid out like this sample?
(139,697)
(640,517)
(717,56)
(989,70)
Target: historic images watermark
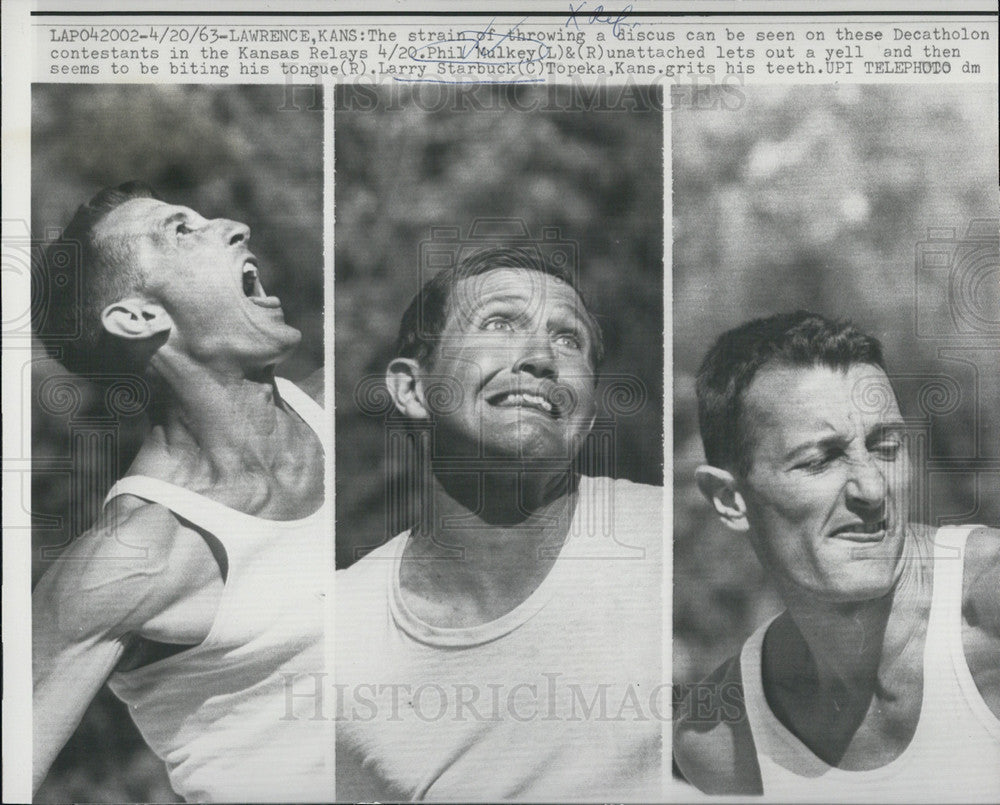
(957,313)
(545,696)
(600,94)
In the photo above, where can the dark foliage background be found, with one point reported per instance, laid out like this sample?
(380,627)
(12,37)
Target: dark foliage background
(432,156)
(815,197)
(820,197)
(230,152)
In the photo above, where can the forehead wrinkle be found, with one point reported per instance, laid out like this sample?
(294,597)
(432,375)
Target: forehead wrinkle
(798,403)
(453,315)
(494,290)
(134,218)
(754,415)
(503,299)
(122,236)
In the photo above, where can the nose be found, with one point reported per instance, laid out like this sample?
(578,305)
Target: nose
(238,232)
(866,487)
(539,360)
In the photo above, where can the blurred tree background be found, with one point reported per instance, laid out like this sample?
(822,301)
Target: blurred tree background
(235,152)
(815,197)
(822,198)
(409,158)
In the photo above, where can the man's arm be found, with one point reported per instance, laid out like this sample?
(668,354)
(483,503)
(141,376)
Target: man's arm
(106,588)
(67,669)
(981,613)
(713,745)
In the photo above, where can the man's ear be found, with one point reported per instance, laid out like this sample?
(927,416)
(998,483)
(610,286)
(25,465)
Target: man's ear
(719,486)
(135,318)
(402,378)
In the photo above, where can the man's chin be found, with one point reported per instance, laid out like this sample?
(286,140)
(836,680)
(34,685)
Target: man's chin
(278,348)
(294,340)
(869,580)
(533,444)
(286,341)
(530,445)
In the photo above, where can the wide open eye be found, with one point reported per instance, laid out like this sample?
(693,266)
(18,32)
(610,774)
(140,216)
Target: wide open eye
(497,324)
(569,339)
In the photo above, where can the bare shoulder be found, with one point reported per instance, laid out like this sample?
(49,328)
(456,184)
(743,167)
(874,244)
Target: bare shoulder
(313,385)
(981,613)
(981,604)
(136,561)
(713,745)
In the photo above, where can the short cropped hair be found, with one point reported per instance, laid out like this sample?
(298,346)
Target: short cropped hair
(104,273)
(427,314)
(788,339)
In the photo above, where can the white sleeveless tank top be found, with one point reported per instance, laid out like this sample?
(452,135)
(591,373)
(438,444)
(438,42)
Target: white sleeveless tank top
(240,716)
(954,755)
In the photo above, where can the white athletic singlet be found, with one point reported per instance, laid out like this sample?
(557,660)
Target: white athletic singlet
(219,714)
(563,698)
(954,754)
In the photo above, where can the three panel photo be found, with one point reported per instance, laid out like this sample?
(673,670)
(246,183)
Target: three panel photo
(352,423)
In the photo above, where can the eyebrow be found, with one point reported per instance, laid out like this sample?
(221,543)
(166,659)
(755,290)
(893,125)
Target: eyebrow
(883,428)
(805,447)
(180,215)
(579,320)
(523,303)
(836,439)
(505,299)
(576,312)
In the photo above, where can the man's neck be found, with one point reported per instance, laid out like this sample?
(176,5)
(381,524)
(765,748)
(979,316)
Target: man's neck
(834,665)
(849,644)
(487,540)
(225,431)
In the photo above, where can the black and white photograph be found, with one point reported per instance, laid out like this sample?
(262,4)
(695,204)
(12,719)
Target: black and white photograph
(836,632)
(181,545)
(499,443)
(424,403)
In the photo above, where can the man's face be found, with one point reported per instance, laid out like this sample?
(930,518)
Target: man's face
(515,349)
(204,275)
(826,493)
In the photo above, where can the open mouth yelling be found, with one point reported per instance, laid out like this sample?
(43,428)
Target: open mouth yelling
(252,289)
(524,400)
(873,531)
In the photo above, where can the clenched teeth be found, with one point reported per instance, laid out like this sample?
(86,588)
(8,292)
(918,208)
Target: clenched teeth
(516,399)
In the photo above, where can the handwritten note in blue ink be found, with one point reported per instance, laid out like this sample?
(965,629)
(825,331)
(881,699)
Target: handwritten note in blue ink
(598,16)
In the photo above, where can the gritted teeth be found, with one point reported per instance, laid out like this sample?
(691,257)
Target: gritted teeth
(516,399)
(873,527)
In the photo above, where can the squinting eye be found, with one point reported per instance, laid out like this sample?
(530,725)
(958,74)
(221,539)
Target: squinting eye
(497,324)
(888,450)
(815,463)
(184,229)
